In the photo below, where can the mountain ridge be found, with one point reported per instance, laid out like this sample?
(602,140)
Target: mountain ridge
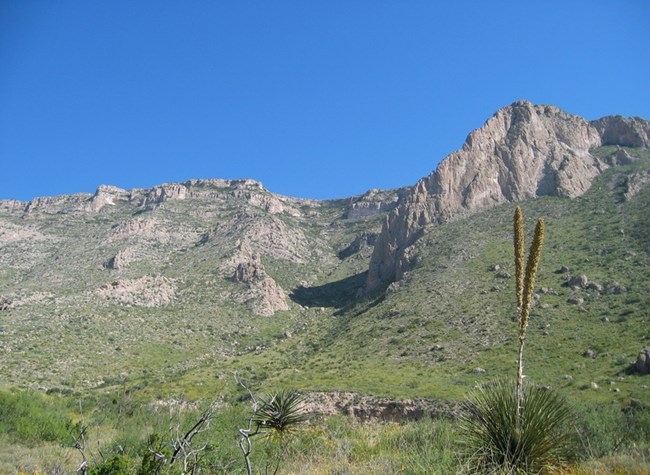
(216,259)
(523,151)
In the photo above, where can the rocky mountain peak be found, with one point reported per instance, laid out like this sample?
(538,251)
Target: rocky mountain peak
(523,151)
(108,195)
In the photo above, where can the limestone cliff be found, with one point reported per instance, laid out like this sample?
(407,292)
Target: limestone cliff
(522,152)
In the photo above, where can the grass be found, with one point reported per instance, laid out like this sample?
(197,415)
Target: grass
(610,441)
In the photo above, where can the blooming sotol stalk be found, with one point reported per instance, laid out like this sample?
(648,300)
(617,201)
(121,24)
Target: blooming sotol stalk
(525,287)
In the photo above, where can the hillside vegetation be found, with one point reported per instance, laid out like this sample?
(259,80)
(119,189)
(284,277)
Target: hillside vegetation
(116,318)
(432,336)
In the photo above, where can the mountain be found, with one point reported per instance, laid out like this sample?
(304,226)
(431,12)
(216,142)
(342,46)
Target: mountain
(523,152)
(399,292)
(120,239)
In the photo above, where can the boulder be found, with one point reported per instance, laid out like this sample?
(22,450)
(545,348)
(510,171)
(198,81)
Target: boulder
(5,303)
(615,288)
(578,281)
(642,364)
(594,286)
(121,260)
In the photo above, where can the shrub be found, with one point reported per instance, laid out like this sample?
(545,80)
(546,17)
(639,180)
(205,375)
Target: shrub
(117,465)
(495,442)
(28,417)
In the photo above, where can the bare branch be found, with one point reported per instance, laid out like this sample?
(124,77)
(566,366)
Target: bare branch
(182,444)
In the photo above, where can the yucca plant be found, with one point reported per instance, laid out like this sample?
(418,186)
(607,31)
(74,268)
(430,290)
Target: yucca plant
(525,286)
(501,441)
(280,412)
(275,417)
(516,427)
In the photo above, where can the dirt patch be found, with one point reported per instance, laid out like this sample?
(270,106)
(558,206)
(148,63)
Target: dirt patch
(371,408)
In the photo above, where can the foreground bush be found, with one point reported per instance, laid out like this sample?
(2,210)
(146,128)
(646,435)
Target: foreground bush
(497,443)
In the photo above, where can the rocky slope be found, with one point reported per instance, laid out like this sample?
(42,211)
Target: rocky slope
(193,279)
(524,151)
(150,247)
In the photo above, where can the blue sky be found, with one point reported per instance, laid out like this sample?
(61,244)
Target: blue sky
(314,99)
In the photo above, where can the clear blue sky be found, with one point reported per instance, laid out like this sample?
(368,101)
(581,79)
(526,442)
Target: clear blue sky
(315,99)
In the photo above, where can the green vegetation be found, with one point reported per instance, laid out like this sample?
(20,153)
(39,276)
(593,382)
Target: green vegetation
(512,435)
(448,326)
(28,417)
(607,439)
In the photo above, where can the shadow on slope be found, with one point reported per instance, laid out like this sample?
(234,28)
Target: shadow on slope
(337,294)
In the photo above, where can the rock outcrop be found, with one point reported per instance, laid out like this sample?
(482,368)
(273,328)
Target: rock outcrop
(264,234)
(371,408)
(108,195)
(642,364)
(121,260)
(361,242)
(148,291)
(635,183)
(265,296)
(522,152)
(373,202)
(623,131)
(58,204)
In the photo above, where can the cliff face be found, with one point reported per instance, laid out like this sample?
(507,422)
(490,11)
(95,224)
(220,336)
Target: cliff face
(522,152)
(231,243)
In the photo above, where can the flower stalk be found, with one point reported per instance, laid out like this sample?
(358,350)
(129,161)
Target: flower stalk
(525,287)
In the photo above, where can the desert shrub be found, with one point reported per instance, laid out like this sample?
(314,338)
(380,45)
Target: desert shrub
(29,418)
(496,440)
(117,465)
(603,430)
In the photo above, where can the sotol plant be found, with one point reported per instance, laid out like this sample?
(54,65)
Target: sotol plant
(525,286)
(275,418)
(517,428)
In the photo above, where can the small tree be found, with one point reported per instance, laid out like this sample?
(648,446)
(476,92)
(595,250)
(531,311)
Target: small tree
(183,448)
